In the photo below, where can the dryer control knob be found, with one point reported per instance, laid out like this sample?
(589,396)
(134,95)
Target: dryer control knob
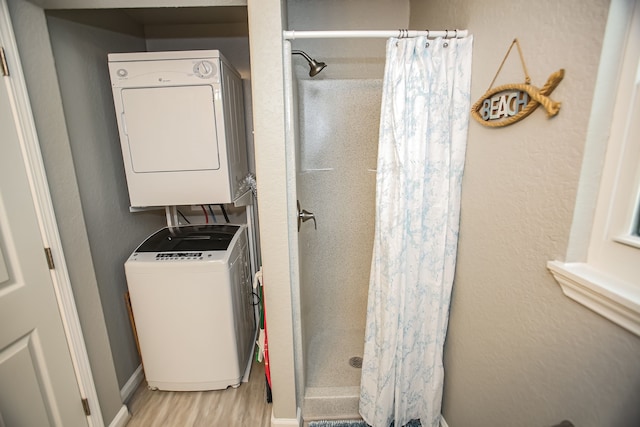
(204,69)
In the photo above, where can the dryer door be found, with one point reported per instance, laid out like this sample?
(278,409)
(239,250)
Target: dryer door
(166,126)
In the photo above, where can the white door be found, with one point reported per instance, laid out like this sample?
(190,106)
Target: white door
(38,386)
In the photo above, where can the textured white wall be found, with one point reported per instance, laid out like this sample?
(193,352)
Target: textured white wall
(518,351)
(266,18)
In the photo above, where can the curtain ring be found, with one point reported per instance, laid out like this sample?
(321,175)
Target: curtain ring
(427,43)
(456,33)
(446,34)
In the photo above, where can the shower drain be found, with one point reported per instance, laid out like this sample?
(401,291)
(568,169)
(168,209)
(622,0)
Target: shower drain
(355,362)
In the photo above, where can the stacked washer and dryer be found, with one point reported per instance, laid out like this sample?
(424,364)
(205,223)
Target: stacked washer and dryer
(181,123)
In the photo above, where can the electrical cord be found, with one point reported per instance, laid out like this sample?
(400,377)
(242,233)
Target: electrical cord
(183,217)
(206,216)
(224,212)
(255,295)
(213,216)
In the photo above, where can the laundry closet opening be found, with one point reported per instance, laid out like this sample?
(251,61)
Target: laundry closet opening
(80,42)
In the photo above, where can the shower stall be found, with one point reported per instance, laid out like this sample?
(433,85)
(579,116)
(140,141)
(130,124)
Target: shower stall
(332,136)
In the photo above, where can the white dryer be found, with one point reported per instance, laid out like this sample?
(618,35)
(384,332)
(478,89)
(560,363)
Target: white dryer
(181,123)
(191,297)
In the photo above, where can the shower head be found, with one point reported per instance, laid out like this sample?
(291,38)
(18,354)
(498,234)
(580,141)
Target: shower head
(314,66)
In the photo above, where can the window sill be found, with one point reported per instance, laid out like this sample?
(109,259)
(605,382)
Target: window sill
(616,300)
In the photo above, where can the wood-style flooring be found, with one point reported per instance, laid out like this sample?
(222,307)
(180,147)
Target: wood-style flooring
(245,406)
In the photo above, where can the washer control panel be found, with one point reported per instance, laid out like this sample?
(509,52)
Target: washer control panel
(178,256)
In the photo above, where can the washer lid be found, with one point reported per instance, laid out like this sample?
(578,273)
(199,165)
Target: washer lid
(190,238)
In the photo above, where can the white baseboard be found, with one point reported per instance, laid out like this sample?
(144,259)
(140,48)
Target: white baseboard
(443,423)
(122,417)
(287,422)
(132,384)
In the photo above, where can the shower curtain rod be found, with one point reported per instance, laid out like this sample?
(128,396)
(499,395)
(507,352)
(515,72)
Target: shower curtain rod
(292,34)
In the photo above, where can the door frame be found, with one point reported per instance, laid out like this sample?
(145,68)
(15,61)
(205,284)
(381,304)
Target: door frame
(34,166)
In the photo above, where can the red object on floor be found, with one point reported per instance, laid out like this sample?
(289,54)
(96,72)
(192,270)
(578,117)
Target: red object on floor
(267,369)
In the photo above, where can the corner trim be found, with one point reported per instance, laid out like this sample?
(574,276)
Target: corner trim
(612,298)
(130,387)
(122,417)
(286,422)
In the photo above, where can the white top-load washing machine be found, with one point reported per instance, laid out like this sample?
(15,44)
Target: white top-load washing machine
(191,297)
(181,123)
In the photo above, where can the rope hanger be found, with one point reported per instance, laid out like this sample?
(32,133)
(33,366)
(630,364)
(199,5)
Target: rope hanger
(527,79)
(538,96)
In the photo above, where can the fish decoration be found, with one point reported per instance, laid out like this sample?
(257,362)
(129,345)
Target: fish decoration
(510,103)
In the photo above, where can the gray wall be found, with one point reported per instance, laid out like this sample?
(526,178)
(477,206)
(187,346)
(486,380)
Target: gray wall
(80,51)
(235,49)
(29,24)
(518,351)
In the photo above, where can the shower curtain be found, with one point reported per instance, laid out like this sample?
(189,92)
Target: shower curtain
(421,152)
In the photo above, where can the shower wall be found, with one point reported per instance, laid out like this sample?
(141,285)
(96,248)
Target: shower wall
(336,181)
(338,113)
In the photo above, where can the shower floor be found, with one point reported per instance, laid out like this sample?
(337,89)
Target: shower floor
(328,357)
(333,386)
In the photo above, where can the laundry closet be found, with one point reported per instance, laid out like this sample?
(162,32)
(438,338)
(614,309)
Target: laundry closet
(73,107)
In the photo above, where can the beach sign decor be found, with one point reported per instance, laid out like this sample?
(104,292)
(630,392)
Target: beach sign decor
(510,103)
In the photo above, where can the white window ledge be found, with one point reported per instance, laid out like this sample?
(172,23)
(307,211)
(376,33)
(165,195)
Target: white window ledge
(616,300)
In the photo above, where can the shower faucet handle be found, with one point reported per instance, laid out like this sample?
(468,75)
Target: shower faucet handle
(304,216)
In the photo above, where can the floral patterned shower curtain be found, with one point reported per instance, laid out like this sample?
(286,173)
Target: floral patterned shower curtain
(421,153)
